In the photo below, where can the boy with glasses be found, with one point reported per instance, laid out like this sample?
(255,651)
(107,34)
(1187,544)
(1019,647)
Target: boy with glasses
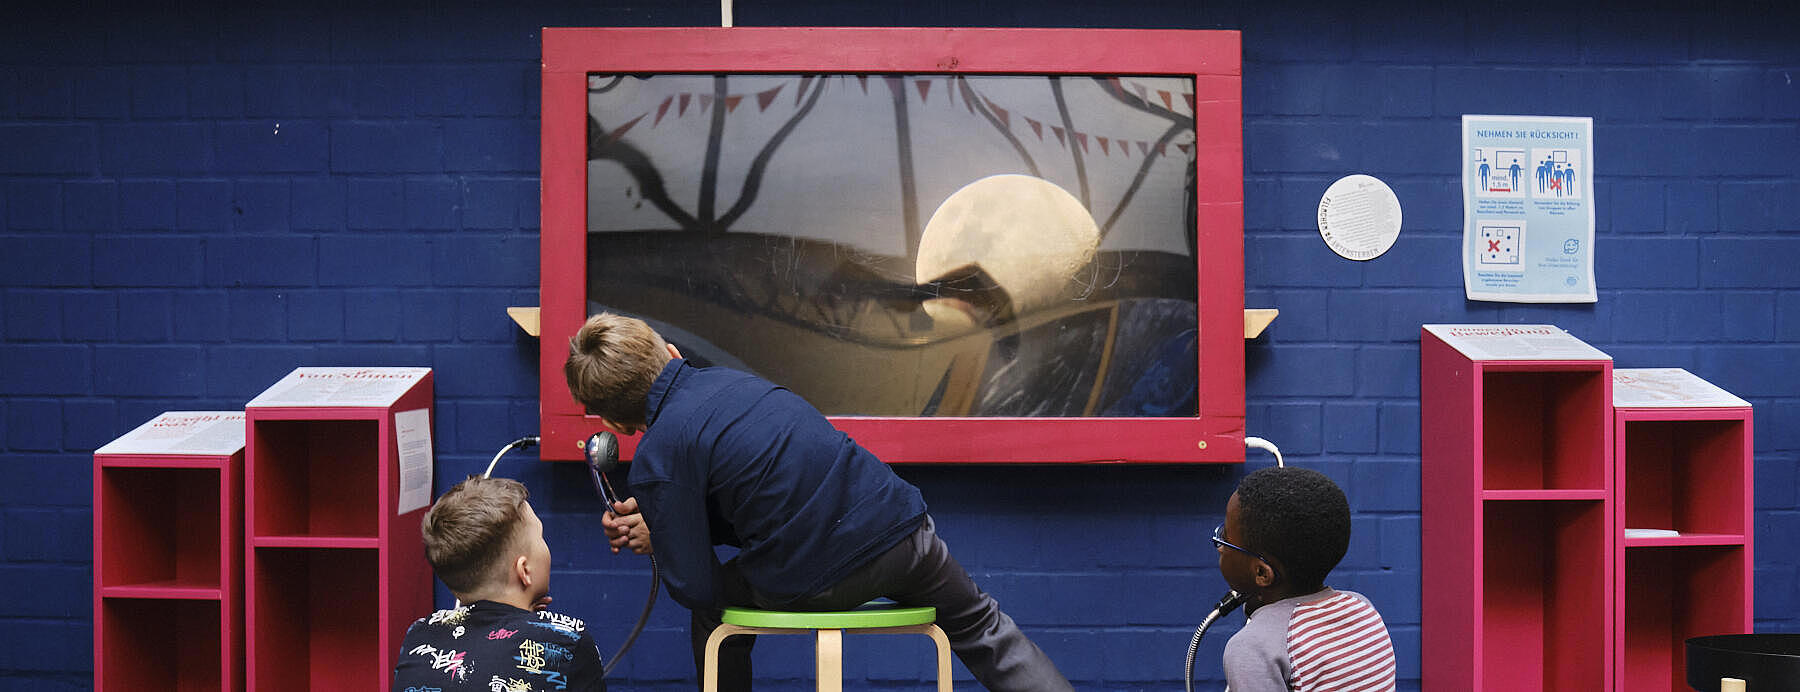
(1284,531)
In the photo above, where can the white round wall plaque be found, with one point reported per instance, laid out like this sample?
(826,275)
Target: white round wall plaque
(1359,217)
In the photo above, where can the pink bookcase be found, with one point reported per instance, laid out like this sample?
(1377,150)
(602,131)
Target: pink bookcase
(1683,457)
(168,555)
(335,570)
(1519,536)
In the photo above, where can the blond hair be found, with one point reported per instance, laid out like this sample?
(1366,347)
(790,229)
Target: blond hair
(472,528)
(613,359)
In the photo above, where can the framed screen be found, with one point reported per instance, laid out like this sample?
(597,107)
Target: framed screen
(962,245)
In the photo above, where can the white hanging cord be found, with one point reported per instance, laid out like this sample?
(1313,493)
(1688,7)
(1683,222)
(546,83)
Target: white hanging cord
(1265,445)
(724,12)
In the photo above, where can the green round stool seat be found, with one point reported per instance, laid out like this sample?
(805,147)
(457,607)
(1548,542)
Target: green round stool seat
(828,629)
(861,618)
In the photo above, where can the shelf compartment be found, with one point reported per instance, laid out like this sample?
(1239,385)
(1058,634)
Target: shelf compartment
(161,526)
(312,613)
(315,478)
(149,645)
(1687,539)
(315,542)
(1545,599)
(1671,594)
(1686,475)
(164,590)
(1542,495)
(1544,429)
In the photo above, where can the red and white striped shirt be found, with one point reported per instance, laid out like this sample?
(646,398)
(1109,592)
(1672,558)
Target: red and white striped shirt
(1339,643)
(1331,641)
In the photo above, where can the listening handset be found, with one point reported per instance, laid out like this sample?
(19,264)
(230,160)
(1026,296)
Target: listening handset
(1227,603)
(602,453)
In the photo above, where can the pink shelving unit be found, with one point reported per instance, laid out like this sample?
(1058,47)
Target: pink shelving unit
(1684,459)
(335,568)
(1517,512)
(168,555)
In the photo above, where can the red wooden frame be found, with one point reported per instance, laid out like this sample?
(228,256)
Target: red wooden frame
(1212,58)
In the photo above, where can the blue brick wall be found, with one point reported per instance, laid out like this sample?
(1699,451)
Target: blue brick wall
(194,202)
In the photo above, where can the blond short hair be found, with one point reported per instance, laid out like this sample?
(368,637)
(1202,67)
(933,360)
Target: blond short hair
(471,529)
(613,360)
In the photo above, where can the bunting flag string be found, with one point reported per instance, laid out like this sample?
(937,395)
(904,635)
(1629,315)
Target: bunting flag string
(660,110)
(764,98)
(954,85)
(620,131)
(801,92)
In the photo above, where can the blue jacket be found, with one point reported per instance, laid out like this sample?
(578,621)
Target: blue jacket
(729,458)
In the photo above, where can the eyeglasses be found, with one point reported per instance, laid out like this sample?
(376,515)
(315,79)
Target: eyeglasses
(1218,539)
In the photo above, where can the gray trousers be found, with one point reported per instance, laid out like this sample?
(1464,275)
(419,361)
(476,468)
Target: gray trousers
(918,571)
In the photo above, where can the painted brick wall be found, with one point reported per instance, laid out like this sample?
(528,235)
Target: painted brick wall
(195,201)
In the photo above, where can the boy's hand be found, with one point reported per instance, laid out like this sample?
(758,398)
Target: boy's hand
(625,528)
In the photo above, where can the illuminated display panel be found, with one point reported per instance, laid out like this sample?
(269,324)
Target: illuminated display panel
(964,245)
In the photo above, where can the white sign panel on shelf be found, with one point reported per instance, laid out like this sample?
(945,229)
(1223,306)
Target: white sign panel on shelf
(1515,342)
(1668,388)
(1528,208)
(412,432)
(185,433)
(340,387)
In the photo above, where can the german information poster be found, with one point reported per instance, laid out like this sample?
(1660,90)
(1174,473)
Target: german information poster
(1528,208)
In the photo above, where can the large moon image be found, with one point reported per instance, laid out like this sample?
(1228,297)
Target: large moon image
(1030,235)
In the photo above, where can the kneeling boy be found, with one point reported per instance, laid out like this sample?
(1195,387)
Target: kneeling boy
(486,544)
(1285,529)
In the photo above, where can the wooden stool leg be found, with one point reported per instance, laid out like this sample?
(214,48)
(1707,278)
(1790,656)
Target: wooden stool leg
(709,672)
(830,665)
(943,656)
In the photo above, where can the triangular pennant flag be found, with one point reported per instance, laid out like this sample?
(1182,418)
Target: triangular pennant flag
(1005,120)
(1104,150)
(1082,138)
(924,88)
(1143,92)
(681,108)
(1143,147)
(968,96)
(801,92)
(863,80)
(622,129)
(1037,128)
(896,85)
(950,88)
(1124,147)
(660,110)
(1182,147)
(1190,100)
(763,99)
(1162,149)
(731,102)
(705,102)
(1165,97)
(1059,135)
(1117,86)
